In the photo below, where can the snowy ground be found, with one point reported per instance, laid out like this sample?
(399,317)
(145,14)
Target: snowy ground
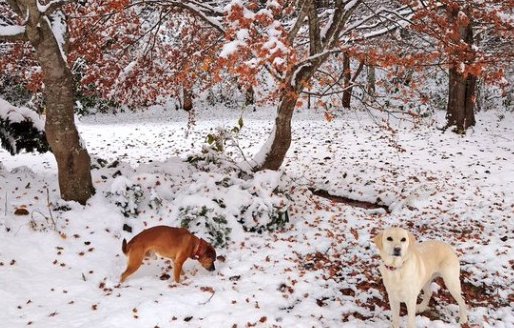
(60,268)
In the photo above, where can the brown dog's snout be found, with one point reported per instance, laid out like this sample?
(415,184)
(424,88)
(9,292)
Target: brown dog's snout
(397,251)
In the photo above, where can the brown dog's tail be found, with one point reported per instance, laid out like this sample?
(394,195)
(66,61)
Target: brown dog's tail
(124,247)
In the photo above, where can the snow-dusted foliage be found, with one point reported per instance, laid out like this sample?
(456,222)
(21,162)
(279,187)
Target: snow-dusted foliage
(127,195)
(216,202)
(211,198)
(21,129)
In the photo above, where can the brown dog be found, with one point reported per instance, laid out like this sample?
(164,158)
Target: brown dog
(177,244)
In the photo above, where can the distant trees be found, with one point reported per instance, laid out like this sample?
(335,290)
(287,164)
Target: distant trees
(473,40)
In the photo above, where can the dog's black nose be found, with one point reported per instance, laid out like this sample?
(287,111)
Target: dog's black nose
(212,267)
(397,251)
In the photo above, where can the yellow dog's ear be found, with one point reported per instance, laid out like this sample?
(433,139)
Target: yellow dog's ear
(378,240)
(412,239)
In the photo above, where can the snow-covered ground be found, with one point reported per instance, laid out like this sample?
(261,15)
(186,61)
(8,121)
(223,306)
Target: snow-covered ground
(60,264)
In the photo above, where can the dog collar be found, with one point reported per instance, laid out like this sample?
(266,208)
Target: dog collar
(196,255)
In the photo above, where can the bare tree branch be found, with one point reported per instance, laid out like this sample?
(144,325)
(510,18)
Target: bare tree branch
(207,13)
(299,21)
(51,7)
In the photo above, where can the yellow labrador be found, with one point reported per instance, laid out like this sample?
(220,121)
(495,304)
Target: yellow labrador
(409,267)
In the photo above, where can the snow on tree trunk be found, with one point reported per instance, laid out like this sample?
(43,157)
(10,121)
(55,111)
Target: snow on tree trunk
(297,79)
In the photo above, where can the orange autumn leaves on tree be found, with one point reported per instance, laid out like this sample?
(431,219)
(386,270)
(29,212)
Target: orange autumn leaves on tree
(490,48)
(256,41)
(17,63)
(140,54)
(117,5)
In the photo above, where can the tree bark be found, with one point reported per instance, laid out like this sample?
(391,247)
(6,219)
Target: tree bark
(282,137)
(460,111)
(249,96)
(73,161)
(462,86)
(347,79)
(371,81)
(187,99)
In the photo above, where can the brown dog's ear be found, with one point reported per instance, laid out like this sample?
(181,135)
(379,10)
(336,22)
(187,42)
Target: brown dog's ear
(378,240)
(202,247)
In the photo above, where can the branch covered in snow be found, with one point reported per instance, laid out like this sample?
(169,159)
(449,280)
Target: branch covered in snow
(379,22)
(50,7)
(302,13)
(12,33)
(202,9)
(57,23)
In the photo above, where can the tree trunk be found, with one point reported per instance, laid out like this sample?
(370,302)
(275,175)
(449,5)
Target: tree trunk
(282,137)
(462,87)
(347,81)
(296,79)
(461,101)
(371,88)
(188,98)
(73,161)
(249,96)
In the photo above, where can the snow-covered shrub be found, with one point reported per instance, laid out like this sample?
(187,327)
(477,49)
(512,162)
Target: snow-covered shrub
(276,213)
(13,90)
(491,97)
(92,104)
(21,129)
(214,223)
(154,201)
(221,147)
(256,201)
(404,98)
(221,203)
(226,93)
(127,195)
(132,197)
(211,197)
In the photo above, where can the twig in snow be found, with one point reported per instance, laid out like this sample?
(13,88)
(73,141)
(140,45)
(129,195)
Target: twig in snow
(209,299)
(49,205)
